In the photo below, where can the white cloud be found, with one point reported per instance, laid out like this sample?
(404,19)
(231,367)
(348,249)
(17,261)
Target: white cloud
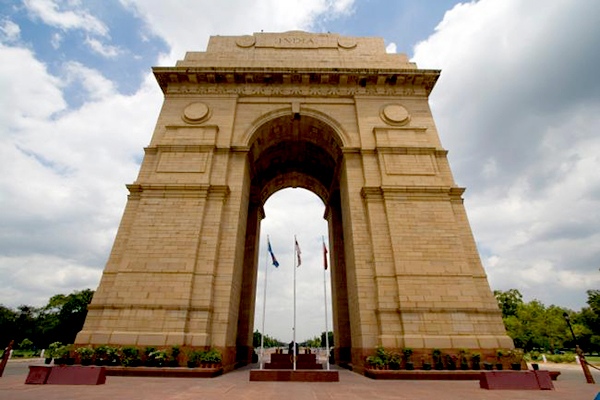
(104,50)
(53,14)
(390,48)
(9,31)
(62,189)
(56,40)
(185,30)
(96,85)
(516,105)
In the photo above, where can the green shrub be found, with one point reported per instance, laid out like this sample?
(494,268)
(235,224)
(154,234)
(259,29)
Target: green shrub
(130,356)
(561,358)
(213,356)
(25,344)
(51,350)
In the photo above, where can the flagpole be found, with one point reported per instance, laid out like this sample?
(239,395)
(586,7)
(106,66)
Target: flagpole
(325,297)
(262,336)
(294,330)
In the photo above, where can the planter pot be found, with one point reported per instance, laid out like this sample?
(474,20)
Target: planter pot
(410,366)
(191,364)
(451,367)
(488,366)
(47,360)
(426,366)
(515,366)
(464,366)
(60,361)
(395,366)
(70,361)
(535,366)
(86,362)
(476,366)
(439,366)
(499,366)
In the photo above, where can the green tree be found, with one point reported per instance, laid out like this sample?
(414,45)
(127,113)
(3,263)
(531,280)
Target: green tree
(8,325)
(588,335)
(508,301)
(330,338)
(63,316)
(535,326)
(268,342)
(314,342)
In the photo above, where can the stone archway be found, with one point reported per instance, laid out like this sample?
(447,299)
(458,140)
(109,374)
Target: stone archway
(336,115)
(295,151)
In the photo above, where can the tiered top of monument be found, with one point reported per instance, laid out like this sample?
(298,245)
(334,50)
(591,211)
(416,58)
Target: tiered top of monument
(298,49)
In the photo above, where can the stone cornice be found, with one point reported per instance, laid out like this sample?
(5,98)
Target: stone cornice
(335,82)
(137,190)
(414,192)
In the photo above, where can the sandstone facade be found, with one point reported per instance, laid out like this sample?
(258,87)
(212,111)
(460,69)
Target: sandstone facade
(335,115)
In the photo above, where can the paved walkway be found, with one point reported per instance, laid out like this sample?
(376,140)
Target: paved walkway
(236,385)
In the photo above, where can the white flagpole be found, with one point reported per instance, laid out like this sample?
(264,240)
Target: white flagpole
(262,335)
(294,333)
(325,297)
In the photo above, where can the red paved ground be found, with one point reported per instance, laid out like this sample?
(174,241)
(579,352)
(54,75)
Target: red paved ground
(236,385)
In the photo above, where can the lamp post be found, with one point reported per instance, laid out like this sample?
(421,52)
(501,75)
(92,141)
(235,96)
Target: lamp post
(586,371)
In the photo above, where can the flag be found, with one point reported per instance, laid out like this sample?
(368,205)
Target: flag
(324,255)
(275,262)
(298,253)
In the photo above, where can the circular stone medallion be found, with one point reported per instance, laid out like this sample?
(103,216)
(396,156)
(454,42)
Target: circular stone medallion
(195,112)
(346,43)
(245,41)
(395,114)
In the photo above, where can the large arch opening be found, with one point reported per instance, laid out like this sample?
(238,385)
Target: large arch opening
(294,151)
(293,212)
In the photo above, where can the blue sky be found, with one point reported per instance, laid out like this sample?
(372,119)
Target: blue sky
(516,106)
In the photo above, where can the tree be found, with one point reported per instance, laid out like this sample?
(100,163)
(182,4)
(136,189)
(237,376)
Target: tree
(268,342)
(508,301)
(8,325)
(330,334)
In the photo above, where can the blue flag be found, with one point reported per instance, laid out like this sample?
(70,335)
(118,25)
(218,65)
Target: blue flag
(275,262)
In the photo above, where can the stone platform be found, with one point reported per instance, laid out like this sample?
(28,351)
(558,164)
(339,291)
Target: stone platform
(166,372)
(443,375)
(285,361)
(286,375)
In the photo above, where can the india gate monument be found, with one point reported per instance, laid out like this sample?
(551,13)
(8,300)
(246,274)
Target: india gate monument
(332,114)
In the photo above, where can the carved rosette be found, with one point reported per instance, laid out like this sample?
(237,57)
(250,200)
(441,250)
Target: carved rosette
(245,41)
(195,113)
(395,114)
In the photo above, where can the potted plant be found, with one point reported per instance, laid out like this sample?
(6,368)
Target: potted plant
(375,362)
(174,357)
(106,355)
(516,357)
(534,358)
(210,358)
(407,354)
(463,357)
(130,356)
(499,355)
(148,361)
(437,359)
(50,352)
(193,358)
(451,362)
(86,354)
(395,361)
(475,361)
(63,355)
(425,364)
(158,358)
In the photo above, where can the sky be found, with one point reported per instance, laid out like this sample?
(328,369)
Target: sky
(517,106)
